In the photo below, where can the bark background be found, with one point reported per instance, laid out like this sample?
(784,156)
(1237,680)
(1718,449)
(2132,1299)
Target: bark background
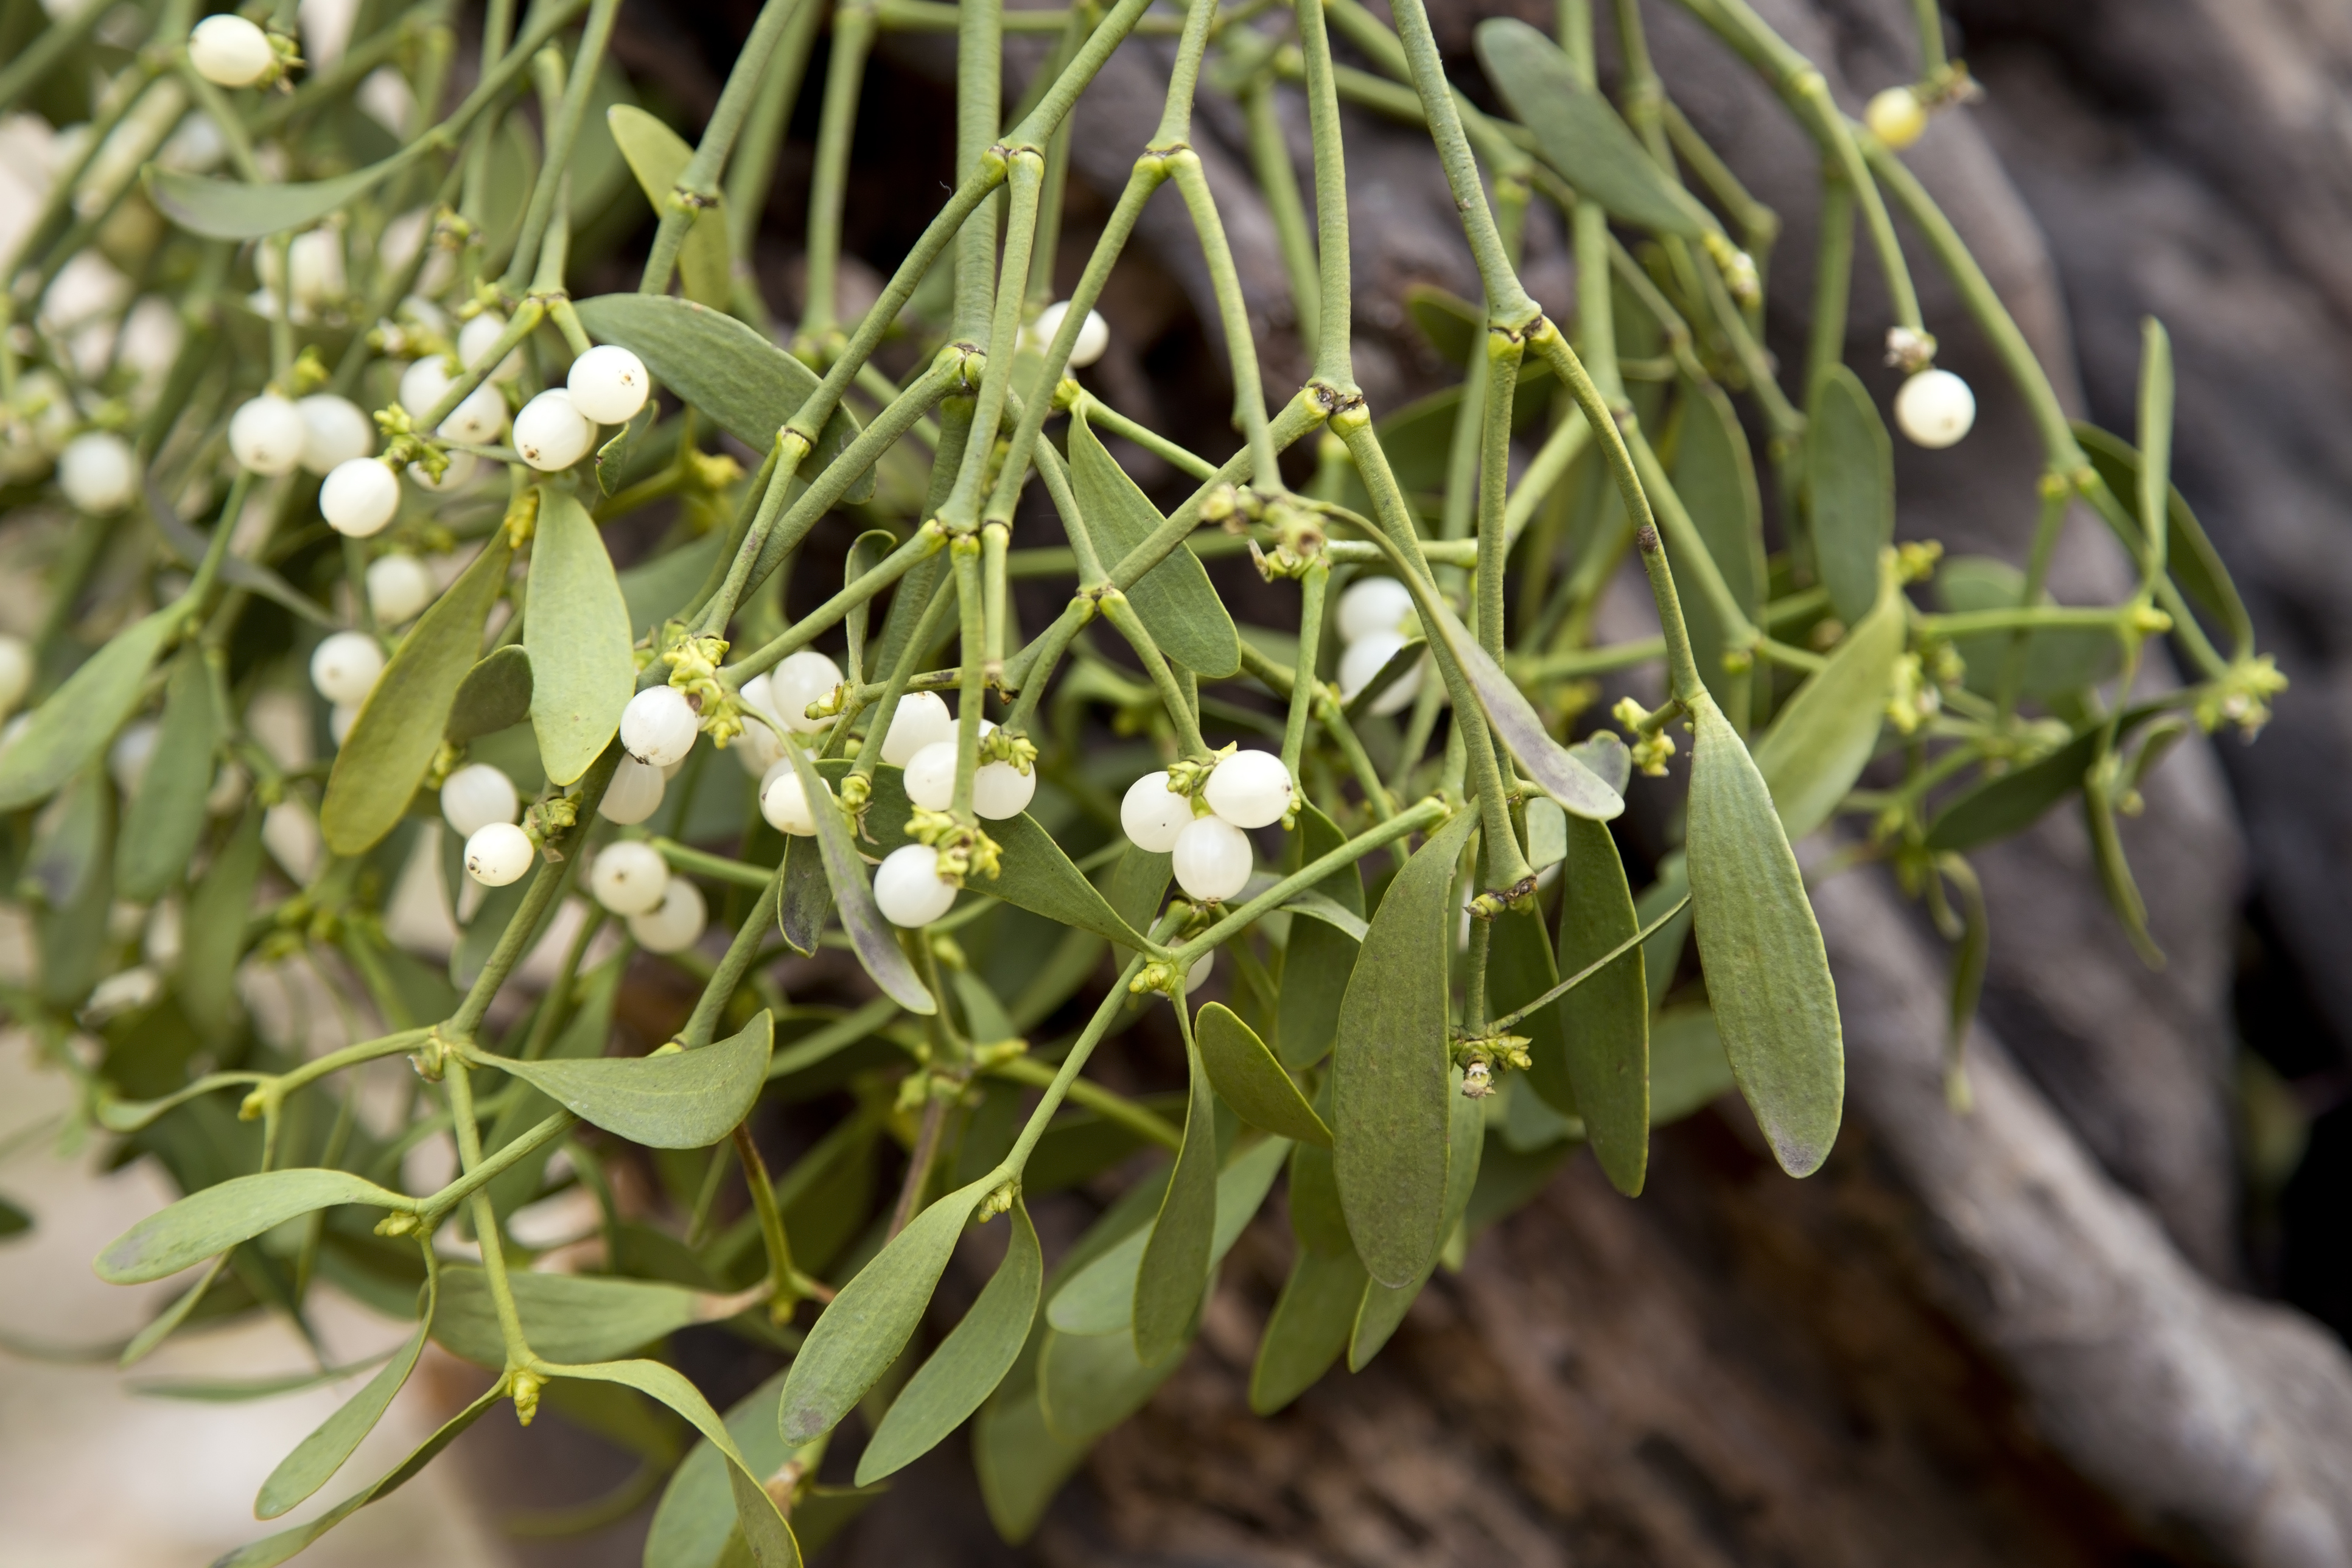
(2033,1335)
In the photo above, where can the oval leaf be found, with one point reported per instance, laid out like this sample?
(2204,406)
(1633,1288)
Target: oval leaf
(1559,772)
(1309,1327)
(79,719)
(671,1100)
(1099,1298)
(1249,1080)
(215,1218)
(1579,135)
(567,1317)
(1714,475)
(494,696)
(1823,736)
(865,1327)
(576,630)
(765,1532)
(318,1457)
(166,817)
(1767,975)
(1850,488)
(1175,599)
(231,209)
(1605,1021)
(968,1365)
(2189,552)
(1389,1098)
(2016,801)
(724,368)
(1319,957)
(1174,1268)
(400,725)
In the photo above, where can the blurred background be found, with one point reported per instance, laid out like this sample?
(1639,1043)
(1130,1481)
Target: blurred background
(2100,1321)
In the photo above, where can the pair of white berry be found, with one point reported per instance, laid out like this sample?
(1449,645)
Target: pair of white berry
(271,434)
(666,914)
(481,803)
(783,694)
(1209,854)
(1375,615)
(608,385)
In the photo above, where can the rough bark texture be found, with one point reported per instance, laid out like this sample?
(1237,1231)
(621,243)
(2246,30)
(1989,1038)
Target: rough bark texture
(2011,1337)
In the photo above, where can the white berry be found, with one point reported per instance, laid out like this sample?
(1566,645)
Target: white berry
(1366,658)
(785,804)
(634,794)
(16,671)
(1152,814)
(477,337)
(608,383)
(931,775)
(1249,789)
(999,790)
(334,431)
(499,854)
(97,472)
(1897,117)
(629,878)
(422,385)
(1935,408)
(1211,859)
(360,498)
(1374,604)
(908,888)
(474,420)
(476,795)
(266,434)
(314,262)
(1198,976)
(344,666)
(132,749)
(398,585)
(676,923)
(804,678)
(919,720)
(550,434)
(658,726)
(1094,333)
(229,51)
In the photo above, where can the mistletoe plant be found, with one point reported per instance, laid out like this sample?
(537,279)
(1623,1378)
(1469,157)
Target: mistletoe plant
(338,408)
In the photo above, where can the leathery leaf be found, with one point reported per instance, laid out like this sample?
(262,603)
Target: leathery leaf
(576,630)
(671,1100)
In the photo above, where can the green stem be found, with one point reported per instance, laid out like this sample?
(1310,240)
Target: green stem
(853,36)
(698,184)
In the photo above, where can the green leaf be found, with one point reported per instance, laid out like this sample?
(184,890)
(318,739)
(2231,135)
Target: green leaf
(866,551)
(968,1365)
(494,695)
(231,209)
(215,1218)
(1384,1306)
(1174,1268)
(1088,1384)
(1662,954)
(1579,135)
(724,368)
(1099,1298)
(213,937)
(864,1328)
(2016,800)
(1175,599)
(764,1527)
(400,725)
(288,1543)
(1454,326)
(318,1457)
(671,1100)
(805,902)
(658,156)
(1559,772)
(566,1317)
(1138,881)
(1606,1020)
(1309,1327)
(1823,735)
(1687,1067)
(869,936)
(2058,659)
(576,629)
(164,820)
(77,721)
(1768,975)
(1319,958)
(1714,475)
(1850,483)
(1250,1080)
(693,1523)
(1388,1107)
(1020,1461)
(2189,552)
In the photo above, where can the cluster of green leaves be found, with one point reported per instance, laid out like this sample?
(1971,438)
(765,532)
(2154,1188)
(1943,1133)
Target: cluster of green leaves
(1407,1074)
